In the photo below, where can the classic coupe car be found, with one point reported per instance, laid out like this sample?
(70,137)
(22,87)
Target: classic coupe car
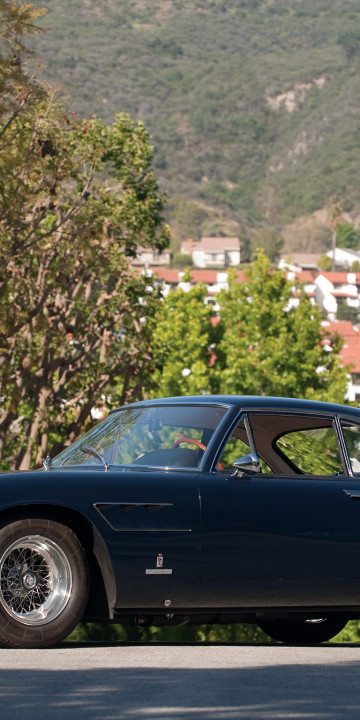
(210,509)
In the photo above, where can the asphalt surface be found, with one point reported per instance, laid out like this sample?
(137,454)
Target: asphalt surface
(180,682)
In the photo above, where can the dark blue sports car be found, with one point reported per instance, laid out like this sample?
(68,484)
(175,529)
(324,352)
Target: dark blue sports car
(211,509)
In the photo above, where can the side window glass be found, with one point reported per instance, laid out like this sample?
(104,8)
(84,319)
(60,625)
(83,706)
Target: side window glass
(352,440)
(237,446)
(314,450)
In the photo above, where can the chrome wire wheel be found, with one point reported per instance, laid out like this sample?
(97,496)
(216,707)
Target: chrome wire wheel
(35,580)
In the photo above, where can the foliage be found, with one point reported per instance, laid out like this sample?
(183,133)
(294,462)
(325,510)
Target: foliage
(238,633)
(181,344)
(181,260)
(324,263)
(350,633)
(191,633)
(17,91)
(347,237)
(270,241)
(269,346)
(77,197)
(262,345)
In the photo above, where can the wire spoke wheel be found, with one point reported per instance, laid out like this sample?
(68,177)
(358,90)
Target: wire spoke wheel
(35,580)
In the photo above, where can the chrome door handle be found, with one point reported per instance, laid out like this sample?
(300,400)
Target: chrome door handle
(353,494)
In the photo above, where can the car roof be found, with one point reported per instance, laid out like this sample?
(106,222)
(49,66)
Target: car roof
(254,402)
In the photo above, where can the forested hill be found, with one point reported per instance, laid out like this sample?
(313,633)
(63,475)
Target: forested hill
(253,105)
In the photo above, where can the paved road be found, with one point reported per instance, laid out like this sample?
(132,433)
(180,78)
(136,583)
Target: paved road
(181,682)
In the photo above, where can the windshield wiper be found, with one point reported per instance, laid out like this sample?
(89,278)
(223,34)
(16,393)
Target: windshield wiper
(96,454)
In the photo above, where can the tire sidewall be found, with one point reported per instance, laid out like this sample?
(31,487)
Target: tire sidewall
(17,634)
(300,632)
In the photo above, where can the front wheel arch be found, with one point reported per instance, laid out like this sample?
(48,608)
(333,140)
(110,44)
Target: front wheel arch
(102,593)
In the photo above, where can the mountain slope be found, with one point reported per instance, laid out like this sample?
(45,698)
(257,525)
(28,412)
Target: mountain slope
(253,105)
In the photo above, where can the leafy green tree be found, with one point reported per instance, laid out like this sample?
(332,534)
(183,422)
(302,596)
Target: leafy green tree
(324,263)
(182,345)
(77,198)
(347,237)
(18,89)
(181,260)
(269,347)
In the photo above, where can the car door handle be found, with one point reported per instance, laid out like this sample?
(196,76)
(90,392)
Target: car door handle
(353,494)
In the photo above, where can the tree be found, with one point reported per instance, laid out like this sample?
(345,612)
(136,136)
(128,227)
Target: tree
(262,345)
(18,89)
(270,241)
(77,198)
(270,347)
(347,237)
(183,343)
(324,263)
(334,220)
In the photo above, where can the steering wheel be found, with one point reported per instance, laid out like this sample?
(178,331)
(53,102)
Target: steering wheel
(194,442)
(189,440)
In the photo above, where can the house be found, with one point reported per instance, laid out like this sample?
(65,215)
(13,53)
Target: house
(213,251)
(350,354)
(335,288)
(344,257)
(147,257)
(297,262)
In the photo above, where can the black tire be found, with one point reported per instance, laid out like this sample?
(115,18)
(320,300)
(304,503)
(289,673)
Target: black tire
(43,583)
(303,632)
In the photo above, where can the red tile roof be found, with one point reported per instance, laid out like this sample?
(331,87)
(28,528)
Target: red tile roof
(350,354)
(209,277)
(343,327)
(169,276)
(305,276)
(350,351)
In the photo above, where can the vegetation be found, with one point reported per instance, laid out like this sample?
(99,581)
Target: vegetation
(253,106)
(347,237)
(269,347)
(262,345)
(181,345)
(76,199)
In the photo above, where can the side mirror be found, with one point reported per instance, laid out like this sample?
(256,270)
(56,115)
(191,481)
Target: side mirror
(247,464)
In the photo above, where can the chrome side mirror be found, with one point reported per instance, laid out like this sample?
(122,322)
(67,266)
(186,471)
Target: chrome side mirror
(247,464)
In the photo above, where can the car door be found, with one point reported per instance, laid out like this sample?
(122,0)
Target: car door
(150,522)
(290,534)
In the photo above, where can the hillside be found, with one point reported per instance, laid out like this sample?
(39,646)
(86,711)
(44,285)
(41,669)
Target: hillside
(253,105)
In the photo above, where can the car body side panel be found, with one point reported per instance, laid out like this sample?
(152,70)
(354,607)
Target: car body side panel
(270,540)
(139,514)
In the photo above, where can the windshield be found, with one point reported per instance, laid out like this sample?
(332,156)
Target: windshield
(161,436)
